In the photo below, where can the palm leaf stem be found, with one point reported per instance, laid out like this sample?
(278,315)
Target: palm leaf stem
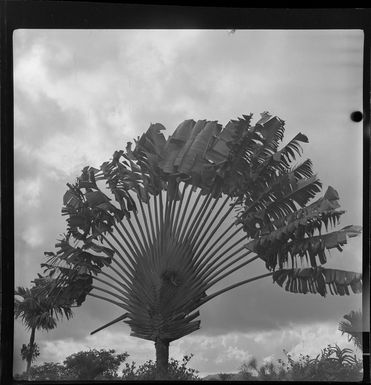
(205,282)
(188,221)
(167,208)
(217,226)
(180,224)
(210,297)
(151,221)
(108,300)
(205,257)
(117,263)
(144,238)
(213,267)
(136,236)
(118,319)
(145,220)
(157,219)
(125,293)
(130,243)
(130,269)
(154,252)
(161,213)
(109,292)
(202,216)
(212,283)
(134,304)
(176,218)
(173,208)
(127,288)
(213,257)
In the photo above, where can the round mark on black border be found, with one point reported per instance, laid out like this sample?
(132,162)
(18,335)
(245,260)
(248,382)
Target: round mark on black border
(356,116)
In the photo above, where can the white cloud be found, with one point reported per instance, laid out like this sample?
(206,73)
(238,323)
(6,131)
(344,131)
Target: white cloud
(236,354)
(269,358)
(27,194)
(30,73)
(33,236)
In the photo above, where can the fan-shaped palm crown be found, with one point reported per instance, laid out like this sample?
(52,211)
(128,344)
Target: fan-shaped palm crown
(191,210)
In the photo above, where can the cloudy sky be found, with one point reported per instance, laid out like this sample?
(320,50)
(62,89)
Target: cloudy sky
(81,94)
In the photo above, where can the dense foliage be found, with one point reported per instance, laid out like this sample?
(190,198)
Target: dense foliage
(30,352)
(51,371)
(332,364)
(147,371)
(104,365)
(94,364)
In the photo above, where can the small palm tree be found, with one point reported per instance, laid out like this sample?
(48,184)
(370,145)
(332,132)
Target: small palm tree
(190,211)
(36,313)
(352,324)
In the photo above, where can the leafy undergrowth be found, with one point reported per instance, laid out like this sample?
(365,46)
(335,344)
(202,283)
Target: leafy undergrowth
(177,370)
(332,364)
(104,365)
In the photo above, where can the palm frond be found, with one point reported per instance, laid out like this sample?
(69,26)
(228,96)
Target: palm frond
(37,311)
(318,280)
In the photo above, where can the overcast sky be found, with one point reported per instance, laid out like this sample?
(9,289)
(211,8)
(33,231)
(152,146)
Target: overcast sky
(81,94)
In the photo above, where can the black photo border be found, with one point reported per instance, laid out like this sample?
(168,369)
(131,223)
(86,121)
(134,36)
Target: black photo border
(16,14)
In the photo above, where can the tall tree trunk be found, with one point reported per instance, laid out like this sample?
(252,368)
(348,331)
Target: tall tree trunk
(162,359)
(30,355)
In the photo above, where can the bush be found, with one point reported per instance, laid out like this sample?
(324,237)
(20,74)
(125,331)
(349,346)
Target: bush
(95,364)
(47,371)
(225,376)
(267,372)
(332,364)
(92,364)
(147,371)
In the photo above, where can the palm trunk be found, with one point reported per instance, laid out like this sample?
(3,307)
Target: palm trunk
(29,357)
(162,359)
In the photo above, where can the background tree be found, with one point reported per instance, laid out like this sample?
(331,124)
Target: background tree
(248,369)
(37,312)
(190,211)
(94,364)
(353,326)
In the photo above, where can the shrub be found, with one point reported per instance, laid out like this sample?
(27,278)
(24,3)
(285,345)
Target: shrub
(147,371)
(51,371)
(332,364)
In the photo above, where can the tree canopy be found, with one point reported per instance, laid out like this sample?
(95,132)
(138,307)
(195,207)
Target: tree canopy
(93,363)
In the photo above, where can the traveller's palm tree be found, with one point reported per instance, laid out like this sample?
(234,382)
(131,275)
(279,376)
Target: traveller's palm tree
(352,324)
(190,211)
(36,312)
